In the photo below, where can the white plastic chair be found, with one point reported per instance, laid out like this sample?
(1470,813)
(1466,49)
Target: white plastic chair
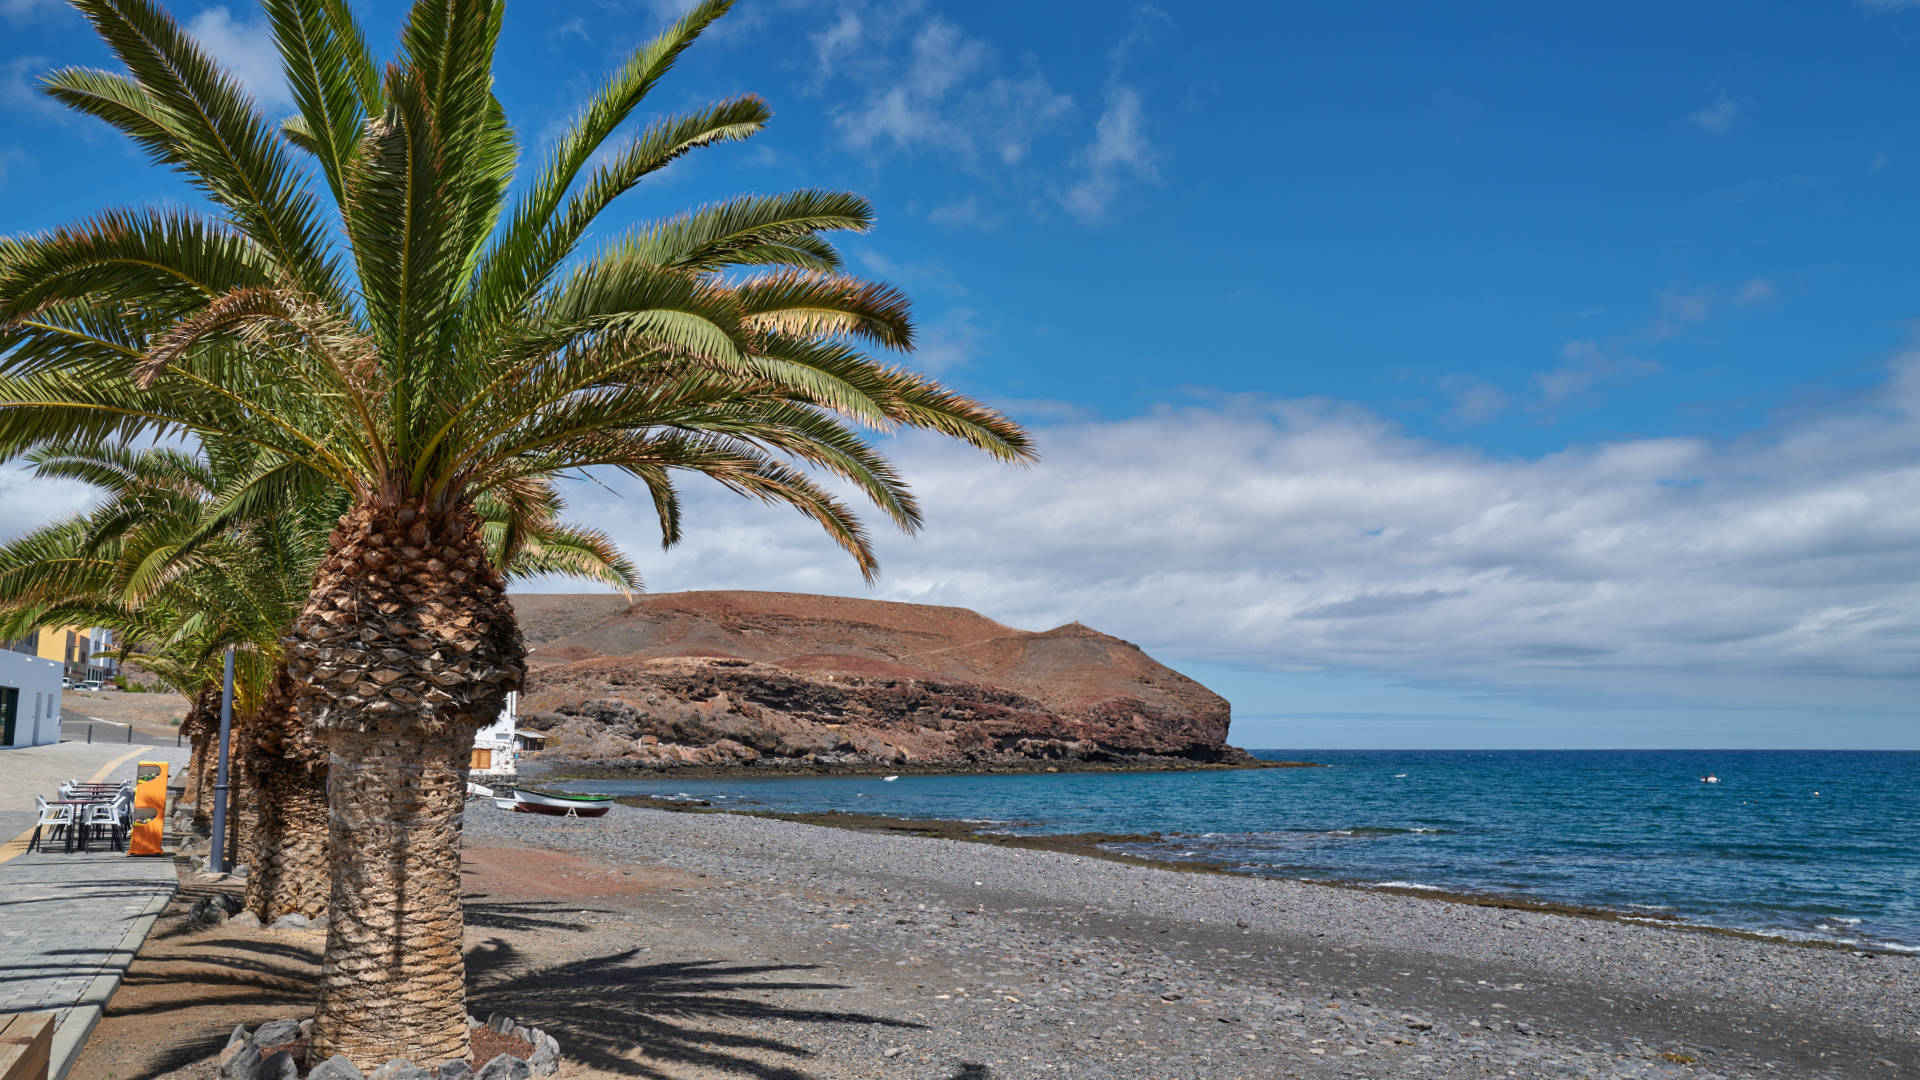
(55,819)
(110,816)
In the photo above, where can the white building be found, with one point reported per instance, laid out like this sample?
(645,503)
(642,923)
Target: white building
(29,700)
(495,747)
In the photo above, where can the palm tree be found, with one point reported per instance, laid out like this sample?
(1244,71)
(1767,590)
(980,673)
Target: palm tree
(441,338)
(287,765)
(158,562)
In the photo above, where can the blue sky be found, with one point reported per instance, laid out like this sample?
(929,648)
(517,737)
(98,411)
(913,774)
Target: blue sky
(1523,376)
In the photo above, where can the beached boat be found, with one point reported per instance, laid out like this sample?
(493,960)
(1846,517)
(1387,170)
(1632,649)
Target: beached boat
(522,801)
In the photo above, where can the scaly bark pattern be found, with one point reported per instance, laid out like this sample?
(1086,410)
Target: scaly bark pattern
(202,726)
(287,849)
(406,645)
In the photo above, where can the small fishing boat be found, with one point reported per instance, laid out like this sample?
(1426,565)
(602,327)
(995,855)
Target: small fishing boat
(522,801)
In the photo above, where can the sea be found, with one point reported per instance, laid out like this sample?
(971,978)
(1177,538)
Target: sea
(1818,846)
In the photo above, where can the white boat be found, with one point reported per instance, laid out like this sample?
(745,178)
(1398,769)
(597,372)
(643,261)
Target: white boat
(522,801)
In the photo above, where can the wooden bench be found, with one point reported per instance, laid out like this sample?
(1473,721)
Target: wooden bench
(26,1044)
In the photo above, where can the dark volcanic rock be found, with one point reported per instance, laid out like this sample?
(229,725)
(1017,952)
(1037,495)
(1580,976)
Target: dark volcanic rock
(783,680)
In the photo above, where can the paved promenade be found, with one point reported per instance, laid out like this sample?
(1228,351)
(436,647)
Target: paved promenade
(70,923)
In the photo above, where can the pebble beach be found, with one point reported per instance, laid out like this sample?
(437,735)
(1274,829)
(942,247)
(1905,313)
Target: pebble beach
(940,958)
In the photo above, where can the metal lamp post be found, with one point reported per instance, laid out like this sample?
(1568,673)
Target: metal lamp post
(217,859)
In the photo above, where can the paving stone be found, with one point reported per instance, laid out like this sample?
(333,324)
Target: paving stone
(68,913)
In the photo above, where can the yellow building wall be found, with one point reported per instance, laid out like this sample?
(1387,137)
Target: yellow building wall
(52,644)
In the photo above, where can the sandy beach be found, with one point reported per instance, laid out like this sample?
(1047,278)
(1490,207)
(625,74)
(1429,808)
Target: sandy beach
(659,944)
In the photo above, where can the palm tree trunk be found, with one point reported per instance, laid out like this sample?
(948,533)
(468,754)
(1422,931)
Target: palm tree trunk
(202,725)
(190,793)
(407,645)
(243,803)
(287,781)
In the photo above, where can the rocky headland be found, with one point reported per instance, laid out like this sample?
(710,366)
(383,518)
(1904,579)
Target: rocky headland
(737,681)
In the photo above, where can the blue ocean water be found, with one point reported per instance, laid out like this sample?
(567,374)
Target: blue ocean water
(1801,844)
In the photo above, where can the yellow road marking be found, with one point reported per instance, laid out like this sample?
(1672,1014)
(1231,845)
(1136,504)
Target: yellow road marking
(18,845)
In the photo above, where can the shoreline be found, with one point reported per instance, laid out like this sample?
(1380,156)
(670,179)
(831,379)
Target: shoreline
(1021,958)
(560,771)
(1093,845)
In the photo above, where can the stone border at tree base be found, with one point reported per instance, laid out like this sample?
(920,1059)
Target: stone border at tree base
(274,1050)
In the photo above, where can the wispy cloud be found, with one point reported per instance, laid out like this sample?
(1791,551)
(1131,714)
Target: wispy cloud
(20,92)
(919,274)
(1583,366)
(923,85)
(29,10)
(842,36)
(950,97)
(1475,401)
(246,49)
(1120,151)
(967,213)
(1682,308)
(1717,118)
(1881,6)
(10,158)
(950,341)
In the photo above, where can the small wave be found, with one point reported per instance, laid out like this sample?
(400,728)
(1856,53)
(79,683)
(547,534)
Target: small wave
(1845,921)
(1407,885)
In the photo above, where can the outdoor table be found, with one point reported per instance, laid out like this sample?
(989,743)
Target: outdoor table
(78,816)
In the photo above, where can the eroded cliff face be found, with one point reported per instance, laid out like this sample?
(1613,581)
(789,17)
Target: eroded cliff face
(783,681)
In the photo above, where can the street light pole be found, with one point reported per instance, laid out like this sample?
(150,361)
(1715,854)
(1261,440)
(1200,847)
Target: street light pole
(217,858)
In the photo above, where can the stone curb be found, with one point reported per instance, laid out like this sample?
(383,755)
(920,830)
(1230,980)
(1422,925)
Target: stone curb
(83,1015)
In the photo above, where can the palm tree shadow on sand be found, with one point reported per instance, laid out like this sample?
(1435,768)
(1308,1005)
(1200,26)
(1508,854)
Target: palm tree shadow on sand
(603,1008)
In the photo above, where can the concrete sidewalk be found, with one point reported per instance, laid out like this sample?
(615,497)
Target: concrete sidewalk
(70,923)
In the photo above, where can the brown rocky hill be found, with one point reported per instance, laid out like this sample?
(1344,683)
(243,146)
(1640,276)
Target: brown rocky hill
(785,680)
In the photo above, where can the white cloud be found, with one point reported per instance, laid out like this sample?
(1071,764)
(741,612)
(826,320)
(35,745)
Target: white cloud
(1303,534)
(1119,152)
(11,156)
(948,97)
(247,50)
(1474,401)
(1682,308)
(967,213)
(26,502)
(919,275)
(949,342)
(839,38)
(28,10)
(1881,6)
(20,90)
(1754,291)
(1583,364)
(1717,118)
